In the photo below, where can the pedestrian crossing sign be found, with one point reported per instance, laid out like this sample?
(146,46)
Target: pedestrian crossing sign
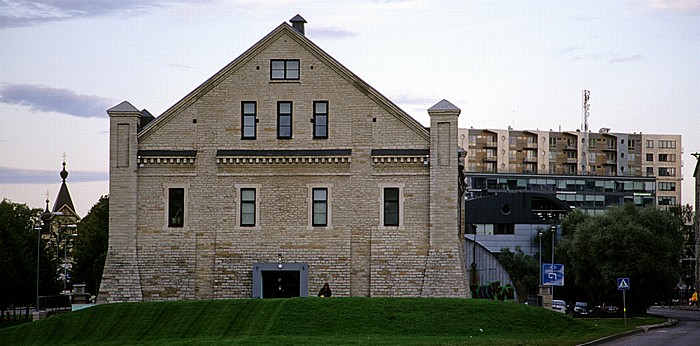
(623,284)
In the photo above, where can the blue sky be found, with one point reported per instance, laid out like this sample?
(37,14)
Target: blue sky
(504,63)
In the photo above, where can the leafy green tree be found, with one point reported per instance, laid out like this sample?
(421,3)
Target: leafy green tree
(90,248)
(523,270)
(685,214)
(643,244)
(18,256)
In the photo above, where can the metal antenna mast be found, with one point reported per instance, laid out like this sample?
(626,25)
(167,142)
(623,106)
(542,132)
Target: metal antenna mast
(584,128)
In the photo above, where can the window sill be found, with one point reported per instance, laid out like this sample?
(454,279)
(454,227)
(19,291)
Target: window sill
(285,81)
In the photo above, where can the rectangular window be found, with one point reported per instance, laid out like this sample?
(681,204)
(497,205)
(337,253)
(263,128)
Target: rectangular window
(650,143)
(667,200)
(248,207)
(667,144)
(284,69)
(176,207)
(391,206)
(320,119)
(650,171)
(248,120)
(667,172)
(284,120)
(320,207)
(667,186)
(650,157)
(592,143)
(631,144)
(667,157)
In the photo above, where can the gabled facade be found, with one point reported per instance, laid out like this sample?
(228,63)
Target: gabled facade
(280,173)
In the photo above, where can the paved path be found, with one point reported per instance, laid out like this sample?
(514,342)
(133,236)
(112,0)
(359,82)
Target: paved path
(685,332)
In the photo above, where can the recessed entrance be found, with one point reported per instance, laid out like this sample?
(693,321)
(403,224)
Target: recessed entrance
(280,283)
(280,280)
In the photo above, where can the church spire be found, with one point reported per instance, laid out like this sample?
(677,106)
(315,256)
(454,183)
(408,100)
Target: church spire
(64,200)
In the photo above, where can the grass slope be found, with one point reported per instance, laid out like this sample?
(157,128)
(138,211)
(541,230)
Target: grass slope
(346,321)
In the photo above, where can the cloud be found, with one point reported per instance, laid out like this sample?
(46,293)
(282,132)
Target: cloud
(414,100)
(330,32)
(14,13)
(25,176)
(623,59)
(676,5)
(49,99)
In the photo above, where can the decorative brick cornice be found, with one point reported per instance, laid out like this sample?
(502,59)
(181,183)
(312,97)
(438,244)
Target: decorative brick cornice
(401,156)
(324,156)
(166,157)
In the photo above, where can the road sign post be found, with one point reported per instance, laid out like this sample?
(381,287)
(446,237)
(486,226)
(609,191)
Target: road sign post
(552,274)
(623,284)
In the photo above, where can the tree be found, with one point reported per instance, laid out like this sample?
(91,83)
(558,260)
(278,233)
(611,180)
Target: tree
(18,256)
(643,244)
(90,248)
(523,270)
(685,214)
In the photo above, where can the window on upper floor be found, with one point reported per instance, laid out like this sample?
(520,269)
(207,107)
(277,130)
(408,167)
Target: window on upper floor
(248,120)
(667,172)
(650,171)
(320,119)
(650,143)
(667,186)
(667,157)
(667,144)
(281,69)
(650,157)
(284,120)
(176,207)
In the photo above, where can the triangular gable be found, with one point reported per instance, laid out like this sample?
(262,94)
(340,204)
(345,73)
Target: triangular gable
(282,29)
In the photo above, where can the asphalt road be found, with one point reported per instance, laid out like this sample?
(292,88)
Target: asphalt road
(686,332)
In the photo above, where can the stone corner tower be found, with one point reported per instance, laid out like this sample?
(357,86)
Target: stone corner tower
(445,272)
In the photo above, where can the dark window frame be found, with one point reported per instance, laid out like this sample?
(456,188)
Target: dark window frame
(280,116)
(322,203)
(391,207)
(248,202)
(176,207)
(320,121)
(244,116)
(287,70)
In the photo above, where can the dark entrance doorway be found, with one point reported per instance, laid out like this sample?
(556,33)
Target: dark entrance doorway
(280,283)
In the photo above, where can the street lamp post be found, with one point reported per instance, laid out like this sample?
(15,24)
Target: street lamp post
(38,259)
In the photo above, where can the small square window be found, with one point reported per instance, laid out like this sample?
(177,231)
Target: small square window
(284,69)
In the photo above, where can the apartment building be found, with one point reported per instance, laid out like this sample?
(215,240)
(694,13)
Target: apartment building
(587,170)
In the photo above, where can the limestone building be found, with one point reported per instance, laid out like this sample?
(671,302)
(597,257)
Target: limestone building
(282,172)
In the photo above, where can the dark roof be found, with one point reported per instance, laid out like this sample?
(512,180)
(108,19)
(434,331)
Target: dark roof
(63,199)
(400,152)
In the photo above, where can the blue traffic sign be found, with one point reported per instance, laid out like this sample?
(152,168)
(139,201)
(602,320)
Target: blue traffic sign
(623,284)
(553,274)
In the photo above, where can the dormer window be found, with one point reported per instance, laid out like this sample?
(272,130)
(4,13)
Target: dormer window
(284,69)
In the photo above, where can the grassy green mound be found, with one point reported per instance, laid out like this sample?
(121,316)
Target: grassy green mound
(343,321)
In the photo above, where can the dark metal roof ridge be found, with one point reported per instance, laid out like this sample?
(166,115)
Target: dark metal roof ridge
(400,152)
(293,152)
(183,153)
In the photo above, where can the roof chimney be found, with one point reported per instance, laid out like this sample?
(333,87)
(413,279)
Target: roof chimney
(298,23)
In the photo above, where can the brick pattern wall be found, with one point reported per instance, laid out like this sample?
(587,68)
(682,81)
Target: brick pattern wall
(212,257)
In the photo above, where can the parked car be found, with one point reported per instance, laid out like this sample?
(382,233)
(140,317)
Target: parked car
(609,310)
(582,309)
(559,306)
